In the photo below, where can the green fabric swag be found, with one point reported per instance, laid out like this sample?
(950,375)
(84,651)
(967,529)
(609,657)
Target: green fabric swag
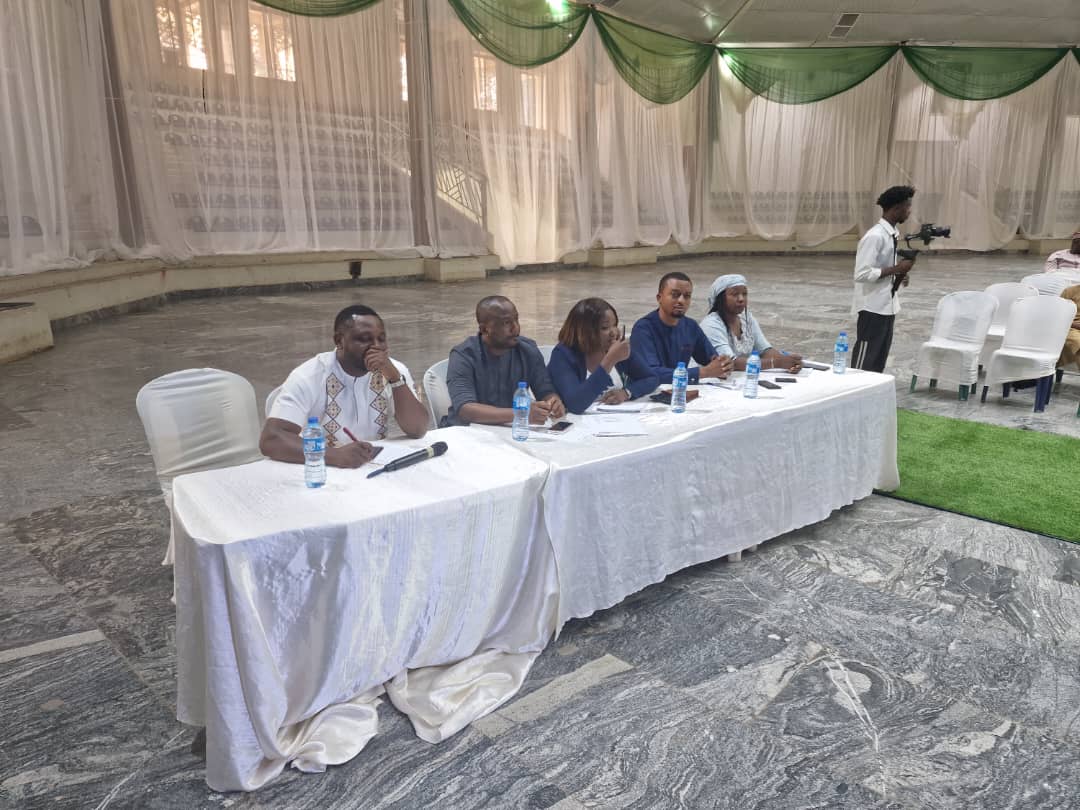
(318,8)
(980,74)
(660,67)
(524,33)
(804,75)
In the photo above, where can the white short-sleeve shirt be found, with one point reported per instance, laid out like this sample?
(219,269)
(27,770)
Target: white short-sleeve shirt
(877,252)
(306,393)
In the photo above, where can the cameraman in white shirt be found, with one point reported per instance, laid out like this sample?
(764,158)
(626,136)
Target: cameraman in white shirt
(876,268)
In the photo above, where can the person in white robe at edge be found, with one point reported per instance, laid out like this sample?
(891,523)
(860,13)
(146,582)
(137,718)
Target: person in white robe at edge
(1068,259)
(357,387)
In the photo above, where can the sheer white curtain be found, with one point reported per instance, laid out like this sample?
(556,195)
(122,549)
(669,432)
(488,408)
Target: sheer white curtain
(975,164)
(518,139)
(647,158)
(1056,212)
(258,131)
(796,171)
(57,199)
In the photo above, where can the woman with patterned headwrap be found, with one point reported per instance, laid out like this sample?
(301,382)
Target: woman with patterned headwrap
(734,331)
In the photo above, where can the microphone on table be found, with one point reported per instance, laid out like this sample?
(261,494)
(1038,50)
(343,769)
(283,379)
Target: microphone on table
(436,449)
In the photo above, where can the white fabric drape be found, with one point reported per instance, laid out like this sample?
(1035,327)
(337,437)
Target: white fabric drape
(296,606)
(975,163)
(646,159)
(57,199)
(241,129)
(275,132)
(1056,209)
(522,134)
(796,171)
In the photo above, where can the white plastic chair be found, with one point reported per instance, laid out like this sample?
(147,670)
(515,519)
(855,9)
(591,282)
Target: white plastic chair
(271,398)
(1034,335)
(1007,294)
(956,340)
(198,419)
(1048,283)
(435,391)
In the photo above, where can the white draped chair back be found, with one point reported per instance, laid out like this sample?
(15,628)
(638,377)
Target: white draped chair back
(1034,335)
(436,392)
(1049,283)
(956,340)
(198,419)
(1007,294)
(546,352)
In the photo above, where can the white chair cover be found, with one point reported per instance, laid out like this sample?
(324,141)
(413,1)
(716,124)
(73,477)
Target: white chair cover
(1048,283)
(436,392)
(270,399)
(198,419)
(1006,294)
(952,352)
(1034,335)
(546,352)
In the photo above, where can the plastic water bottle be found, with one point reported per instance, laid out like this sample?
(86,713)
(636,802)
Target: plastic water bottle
(839,363)
(314,453)
(520,430)
(753,372)
(679,379)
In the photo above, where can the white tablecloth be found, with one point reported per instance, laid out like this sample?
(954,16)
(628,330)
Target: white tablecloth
(295,606)
(730,473)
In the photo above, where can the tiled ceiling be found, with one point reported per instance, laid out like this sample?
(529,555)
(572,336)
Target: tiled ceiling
(809,22)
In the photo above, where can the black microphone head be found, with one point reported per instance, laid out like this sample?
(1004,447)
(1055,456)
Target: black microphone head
(438,448)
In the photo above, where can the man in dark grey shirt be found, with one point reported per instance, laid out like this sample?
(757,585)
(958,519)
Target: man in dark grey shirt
(484,371)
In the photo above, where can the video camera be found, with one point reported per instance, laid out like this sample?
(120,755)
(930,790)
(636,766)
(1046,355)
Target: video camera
(927,234)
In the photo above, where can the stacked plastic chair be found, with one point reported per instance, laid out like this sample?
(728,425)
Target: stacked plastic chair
(1007,294)
(1034,336)
(956,341)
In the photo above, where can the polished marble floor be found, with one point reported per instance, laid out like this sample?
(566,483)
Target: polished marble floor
(891,656)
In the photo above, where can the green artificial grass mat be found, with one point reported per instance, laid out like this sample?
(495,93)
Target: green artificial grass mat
(1020,478)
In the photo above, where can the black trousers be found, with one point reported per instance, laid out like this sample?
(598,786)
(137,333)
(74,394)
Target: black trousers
(873,339)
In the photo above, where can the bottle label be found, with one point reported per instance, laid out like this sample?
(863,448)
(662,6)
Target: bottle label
(314,445)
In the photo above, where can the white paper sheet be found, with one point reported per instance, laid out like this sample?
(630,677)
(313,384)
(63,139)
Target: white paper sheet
(633,406)
(613,424)
(392,451)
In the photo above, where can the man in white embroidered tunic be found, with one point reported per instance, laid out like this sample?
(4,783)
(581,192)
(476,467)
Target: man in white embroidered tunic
(355,388)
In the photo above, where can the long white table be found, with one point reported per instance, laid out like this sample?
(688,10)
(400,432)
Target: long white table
(442,583)
(295,606)
(726,475)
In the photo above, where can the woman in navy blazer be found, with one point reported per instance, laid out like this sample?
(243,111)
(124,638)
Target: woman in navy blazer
(592,360)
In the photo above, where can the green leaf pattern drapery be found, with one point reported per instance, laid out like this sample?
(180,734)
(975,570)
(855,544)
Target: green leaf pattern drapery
(319,8)
(804,75)
(660,67)
(981,74)
(523,33)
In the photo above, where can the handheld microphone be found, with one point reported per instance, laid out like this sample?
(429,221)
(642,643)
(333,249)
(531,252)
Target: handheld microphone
(436,449)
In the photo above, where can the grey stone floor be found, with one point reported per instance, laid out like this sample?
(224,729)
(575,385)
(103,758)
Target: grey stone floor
(891,656)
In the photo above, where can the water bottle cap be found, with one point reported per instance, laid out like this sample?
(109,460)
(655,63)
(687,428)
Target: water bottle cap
(754,354)
(843,334)
(312,420)
(681,365)
(523,384)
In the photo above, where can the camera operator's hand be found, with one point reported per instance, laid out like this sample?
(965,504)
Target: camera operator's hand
(902,268)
